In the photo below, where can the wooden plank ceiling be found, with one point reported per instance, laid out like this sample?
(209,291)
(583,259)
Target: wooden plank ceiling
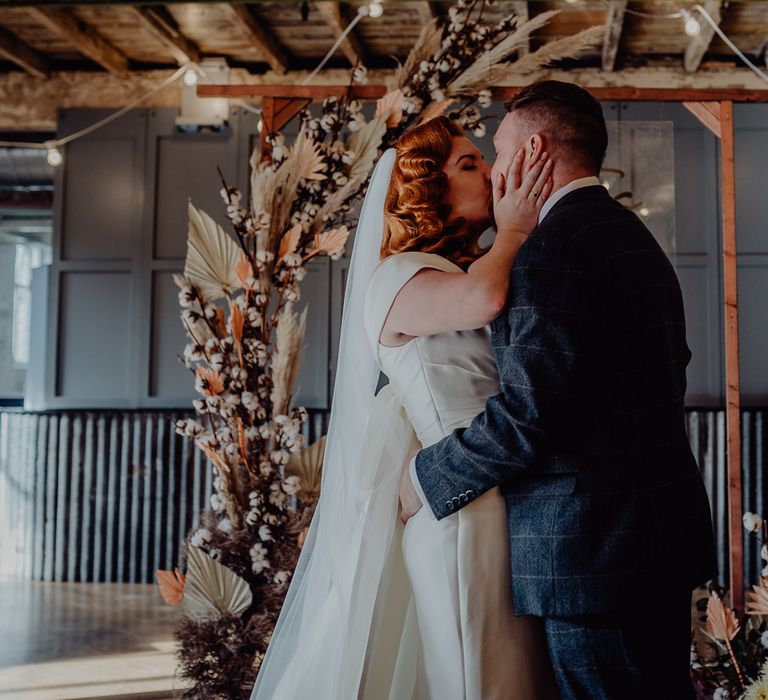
(120,38)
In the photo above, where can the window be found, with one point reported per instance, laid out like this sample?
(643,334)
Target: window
(28,257)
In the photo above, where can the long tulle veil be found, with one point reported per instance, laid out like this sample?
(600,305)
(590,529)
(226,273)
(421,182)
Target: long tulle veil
(346,575)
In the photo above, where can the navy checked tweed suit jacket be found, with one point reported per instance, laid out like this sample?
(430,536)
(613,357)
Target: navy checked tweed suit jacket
(587,437)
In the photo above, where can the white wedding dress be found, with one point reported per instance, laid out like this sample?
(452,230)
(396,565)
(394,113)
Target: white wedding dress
(470,645)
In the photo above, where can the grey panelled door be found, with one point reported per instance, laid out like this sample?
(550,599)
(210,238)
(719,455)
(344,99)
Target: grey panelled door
(120,235)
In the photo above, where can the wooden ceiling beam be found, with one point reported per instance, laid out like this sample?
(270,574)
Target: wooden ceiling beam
(351,46)
(87,40)
(699,44)
(273,53)
(523,15)
(12,48)
(163,27)
(614,23)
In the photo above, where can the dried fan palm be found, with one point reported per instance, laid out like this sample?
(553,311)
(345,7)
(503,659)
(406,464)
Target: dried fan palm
(211,589)
(436,109)
(289,242)
(391,107)
(244,270)
(567,47)
(309,158)
(721,621)
(722,625)
(308,466)
(171,584)
(331,242)
(302,163)
(213,381)
(212,256)
(289,338)
(757,599)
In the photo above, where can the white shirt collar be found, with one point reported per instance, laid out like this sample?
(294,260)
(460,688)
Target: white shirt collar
(555,197)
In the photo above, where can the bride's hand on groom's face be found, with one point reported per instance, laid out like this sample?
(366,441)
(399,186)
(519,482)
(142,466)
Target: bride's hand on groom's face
(519,194)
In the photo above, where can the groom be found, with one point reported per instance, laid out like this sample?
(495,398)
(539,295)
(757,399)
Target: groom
(609,523)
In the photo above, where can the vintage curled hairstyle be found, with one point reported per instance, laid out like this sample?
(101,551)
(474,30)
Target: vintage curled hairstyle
(414,219)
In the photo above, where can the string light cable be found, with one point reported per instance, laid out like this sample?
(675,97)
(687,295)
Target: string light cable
(729,43)
(189,74)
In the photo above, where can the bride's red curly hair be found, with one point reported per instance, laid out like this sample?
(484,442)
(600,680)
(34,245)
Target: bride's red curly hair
(414,219)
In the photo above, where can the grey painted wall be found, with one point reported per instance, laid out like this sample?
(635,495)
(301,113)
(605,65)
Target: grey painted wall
(120,233)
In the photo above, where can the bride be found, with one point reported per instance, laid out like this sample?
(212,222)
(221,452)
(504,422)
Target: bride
(376,610)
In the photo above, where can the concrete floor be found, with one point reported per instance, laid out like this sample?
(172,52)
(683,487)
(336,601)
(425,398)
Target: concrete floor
(70,641)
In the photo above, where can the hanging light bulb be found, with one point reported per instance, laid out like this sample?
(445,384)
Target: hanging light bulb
(372,9)
(54,157)
(571,2)
(190,77)
(692,26)
(644,211)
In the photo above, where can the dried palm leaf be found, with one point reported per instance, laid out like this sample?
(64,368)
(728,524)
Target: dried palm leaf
(236,321)
(212,589)
(309,158)
(171,584)
(757,599)
(721,621)
(221,322)
(289,339)
(215,457)
(567,47)
(485,69)
(331,242)
(435,109)
(213,381)
(289,241)
(425,47)
(308,466)
(244,270)
(391,107)
(211,257)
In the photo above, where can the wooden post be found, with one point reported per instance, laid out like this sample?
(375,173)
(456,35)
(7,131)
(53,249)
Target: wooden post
(276,112)
(731,322)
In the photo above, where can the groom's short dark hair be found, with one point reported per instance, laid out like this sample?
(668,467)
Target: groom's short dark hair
(568,115)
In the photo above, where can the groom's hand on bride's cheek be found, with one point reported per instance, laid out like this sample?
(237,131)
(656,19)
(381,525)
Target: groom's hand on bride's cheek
(410,503)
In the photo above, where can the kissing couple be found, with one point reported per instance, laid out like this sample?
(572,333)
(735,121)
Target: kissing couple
(516,514)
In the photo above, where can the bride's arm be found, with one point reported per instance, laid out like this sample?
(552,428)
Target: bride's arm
(433,301)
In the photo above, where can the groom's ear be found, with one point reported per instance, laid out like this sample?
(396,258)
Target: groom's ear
(535,147)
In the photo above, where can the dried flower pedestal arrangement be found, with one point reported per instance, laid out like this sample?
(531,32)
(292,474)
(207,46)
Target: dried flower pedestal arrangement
(730,659)
(237,297)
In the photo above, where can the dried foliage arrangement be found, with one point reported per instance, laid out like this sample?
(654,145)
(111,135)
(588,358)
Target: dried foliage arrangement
(238,297)
(730,659)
